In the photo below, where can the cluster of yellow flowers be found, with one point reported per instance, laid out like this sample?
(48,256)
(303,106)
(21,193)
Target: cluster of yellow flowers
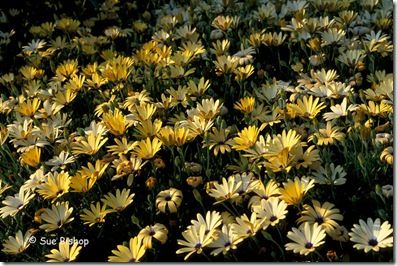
(269,121)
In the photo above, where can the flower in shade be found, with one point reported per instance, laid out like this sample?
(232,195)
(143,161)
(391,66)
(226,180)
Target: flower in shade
(371,235)
(157,231)
(169,199)
(17,244)
(133,253)
(65,252)
(325,215)
(339,233)
(305,238)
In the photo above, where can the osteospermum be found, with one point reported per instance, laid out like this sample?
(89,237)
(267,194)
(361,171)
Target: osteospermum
(293,191)
(96,214)
(119,201)
(306,238)
(271,210)
(194,241)
(132,253)
(13,204)
(65,252)
(323,214)
(169,200)
(228,190)
(246,138)
(371,235)
(18,244)
(157,231)
(56,217)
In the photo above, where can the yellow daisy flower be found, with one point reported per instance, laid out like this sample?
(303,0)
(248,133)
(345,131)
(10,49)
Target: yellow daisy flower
(18,244)
(169,200)
(306,238)
(57,216)
(157,231)
(371,235)
(293,191)
(119,201)
(65,252)
(133,253)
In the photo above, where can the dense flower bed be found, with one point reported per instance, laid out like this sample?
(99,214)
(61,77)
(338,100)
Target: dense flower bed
(217,130)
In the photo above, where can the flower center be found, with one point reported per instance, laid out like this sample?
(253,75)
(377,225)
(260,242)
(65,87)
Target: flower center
(198,245)
(152,232)
(227,244)
(319,220)
(308,245)
(273,218)
(168,198)
(373,242)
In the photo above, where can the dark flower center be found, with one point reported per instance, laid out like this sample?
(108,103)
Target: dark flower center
(273,218)
(227,244)
(308,245)
(152,232)
(198,245)
(168,198)
(319,220)
(373,242)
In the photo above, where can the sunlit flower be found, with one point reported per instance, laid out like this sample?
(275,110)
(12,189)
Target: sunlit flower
(228,190)
(246,138)
(169,200)
(96,214)
(271,210)
(65,252)
(324,215)
(225,240)
(306,238)
(194,240)
(308,107)
(264,192)
(18,244)
(245,105)
(57,216)
(245,226)
(212,221)
(12,205)
(219,141)
(132,253)
(371,235)
(157,231)
(293,191)
(146,149)
(31,157)
(54,185)
(119,201)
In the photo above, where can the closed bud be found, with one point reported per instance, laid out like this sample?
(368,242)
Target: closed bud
(194,181)
(151,182)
